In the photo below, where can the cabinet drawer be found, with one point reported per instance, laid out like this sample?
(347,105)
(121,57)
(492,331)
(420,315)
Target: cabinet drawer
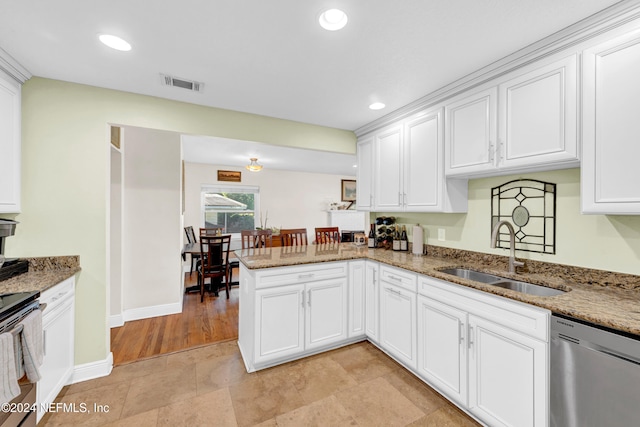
(295,275)
(521,317)
(398,277)
(57,295)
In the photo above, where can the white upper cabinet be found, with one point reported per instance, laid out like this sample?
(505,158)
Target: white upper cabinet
(364,182)
(537,118)
(408,171)
(525,122)
(9,144)
(610,127)
(471,133)
(388,169)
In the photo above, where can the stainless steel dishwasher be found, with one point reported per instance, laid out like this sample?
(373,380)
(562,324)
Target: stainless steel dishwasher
(595,375)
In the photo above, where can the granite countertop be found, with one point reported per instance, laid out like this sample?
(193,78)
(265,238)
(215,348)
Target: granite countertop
(44,272)
(602,297)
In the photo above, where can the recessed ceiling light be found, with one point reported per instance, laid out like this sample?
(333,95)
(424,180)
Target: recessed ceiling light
(333,19)
(115,42)
(377,106)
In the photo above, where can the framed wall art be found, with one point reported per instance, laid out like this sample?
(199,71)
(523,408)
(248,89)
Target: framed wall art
(348,190)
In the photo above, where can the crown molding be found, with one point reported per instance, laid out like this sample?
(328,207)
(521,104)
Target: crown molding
(13,67)
(606,20)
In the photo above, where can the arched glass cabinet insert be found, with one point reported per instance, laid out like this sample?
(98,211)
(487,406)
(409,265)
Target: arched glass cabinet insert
(530,206)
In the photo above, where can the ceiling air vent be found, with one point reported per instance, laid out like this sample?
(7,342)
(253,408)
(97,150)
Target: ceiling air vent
(181,83)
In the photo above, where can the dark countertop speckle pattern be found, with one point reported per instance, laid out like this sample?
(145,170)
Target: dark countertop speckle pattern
(44,272)
(605,298)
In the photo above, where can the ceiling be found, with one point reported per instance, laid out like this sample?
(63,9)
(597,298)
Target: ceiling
(271,57)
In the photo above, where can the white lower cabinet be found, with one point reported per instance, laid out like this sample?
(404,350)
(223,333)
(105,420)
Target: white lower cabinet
(290,312)
(507,375)
(398,315)
(372,302)
(356,298)
(58,333)
(487,354)
(442,347)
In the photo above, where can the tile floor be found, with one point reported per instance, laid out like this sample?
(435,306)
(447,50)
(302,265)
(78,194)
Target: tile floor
(356,385)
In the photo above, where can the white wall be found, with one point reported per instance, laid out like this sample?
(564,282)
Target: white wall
(292,199)
(115,235)
(152,283)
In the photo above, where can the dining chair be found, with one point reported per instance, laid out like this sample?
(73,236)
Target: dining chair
(256,239)
(327,235)
(214,264)
(293,237)
(191,239)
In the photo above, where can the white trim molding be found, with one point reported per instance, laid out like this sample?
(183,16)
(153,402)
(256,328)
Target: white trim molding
(13,67)
(92,370)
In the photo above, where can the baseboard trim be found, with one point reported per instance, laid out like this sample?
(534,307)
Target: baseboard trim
(116,320)
(92,370)
(153,311)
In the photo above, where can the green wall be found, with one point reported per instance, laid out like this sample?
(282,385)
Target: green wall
(605,242)
(65,176)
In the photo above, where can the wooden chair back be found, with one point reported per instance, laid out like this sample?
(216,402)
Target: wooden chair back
(256,239)
(293,237)
(327,235)
(191,235)
(211,231)
(214,264)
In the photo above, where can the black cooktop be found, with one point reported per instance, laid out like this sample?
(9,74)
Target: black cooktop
(13,267)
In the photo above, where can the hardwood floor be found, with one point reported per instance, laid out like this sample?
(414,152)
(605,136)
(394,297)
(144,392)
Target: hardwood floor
(200,323)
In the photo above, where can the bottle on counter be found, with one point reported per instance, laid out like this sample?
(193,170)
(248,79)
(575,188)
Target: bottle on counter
(372,237)
(404,240)
(396,240)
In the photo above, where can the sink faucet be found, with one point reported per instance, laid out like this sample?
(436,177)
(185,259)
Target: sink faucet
(512,244)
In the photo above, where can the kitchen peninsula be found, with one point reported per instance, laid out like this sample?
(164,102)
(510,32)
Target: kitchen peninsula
(299,301)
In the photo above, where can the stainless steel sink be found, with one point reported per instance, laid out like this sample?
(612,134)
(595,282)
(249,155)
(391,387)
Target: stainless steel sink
(528,288)
(514,285)
(476,276)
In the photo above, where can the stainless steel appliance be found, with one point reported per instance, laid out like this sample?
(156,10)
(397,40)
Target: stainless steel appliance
(14,266)
(13,308)
(595,375)
(349,235)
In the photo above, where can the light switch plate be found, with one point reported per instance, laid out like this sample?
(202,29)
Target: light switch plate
(441,234)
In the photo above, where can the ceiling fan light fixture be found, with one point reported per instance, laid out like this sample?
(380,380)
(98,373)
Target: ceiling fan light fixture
(333,19)
(254,166)
(115,42)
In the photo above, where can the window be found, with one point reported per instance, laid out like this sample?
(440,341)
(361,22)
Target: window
(231,207)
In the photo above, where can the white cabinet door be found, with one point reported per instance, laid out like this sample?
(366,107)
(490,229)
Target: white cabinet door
(372,301)
(326,313)
(422,173)
(58,325)
(388,171)
(356,297)
(507,376)
(398,323)
(9,144)
(471,133)
(442,347)
(364,181)
(279,322)
(610,127)
(538,117)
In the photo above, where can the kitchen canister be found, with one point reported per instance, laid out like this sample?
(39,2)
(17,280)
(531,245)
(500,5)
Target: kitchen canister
(418,240)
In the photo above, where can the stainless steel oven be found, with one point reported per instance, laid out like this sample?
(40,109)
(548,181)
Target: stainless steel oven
(595,375)
(13,308)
